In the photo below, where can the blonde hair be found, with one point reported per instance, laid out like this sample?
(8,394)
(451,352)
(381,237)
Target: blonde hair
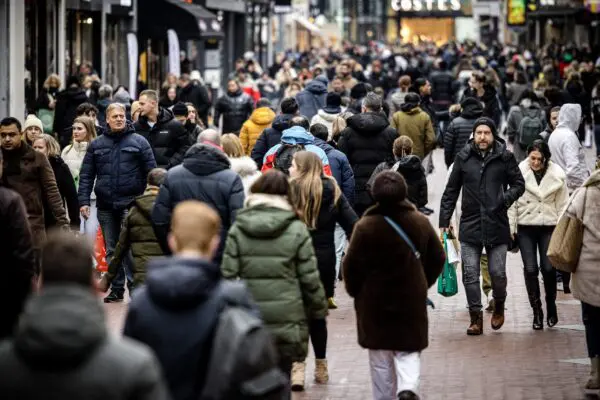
(52,145)
(338,125)
(52,78)
(135,107)
(113,106)
(194,226)
(403,146)
(89,125)
(231,145)
(306,190)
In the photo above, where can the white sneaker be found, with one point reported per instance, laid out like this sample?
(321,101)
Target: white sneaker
(559,286)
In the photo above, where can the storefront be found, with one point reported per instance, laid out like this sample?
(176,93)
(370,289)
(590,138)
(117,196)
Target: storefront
(561,21)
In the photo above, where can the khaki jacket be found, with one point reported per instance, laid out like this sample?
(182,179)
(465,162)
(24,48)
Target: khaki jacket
(416,124)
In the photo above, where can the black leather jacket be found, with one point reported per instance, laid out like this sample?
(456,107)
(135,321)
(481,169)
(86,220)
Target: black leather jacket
(236,108)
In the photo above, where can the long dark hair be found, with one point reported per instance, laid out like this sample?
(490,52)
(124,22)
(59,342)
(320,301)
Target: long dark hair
(543,148)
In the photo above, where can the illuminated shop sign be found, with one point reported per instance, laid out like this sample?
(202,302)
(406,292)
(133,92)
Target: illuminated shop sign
(516,13)
(426,5)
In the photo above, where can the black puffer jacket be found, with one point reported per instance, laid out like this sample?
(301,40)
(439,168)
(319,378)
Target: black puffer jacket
(235,108)
(65,112)
(412,170)
(443,87)
(68,193)
(270,137)
(490,186)
(204,175)
(460,129)
(367,141)
(168,138)
(491,108)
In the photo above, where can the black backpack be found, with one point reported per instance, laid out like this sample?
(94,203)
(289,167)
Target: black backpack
(285,155)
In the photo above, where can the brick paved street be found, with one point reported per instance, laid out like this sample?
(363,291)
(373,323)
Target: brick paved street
(511,364)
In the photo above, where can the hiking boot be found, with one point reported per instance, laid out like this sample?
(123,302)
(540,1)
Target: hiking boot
(321,373)
(476,327)
(331,304)
(593,382)
(407,395)
(114,297)
(498,315)
(298,372)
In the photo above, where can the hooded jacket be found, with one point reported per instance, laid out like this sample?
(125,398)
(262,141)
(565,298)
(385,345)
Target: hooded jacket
(292,136)
(460,129)
(567,151)
(119,163)
(340,169)
(415,123)
(246,168)
(412,170)
(65,112)
(367,141)
(489,186)
(235,108)
(168,138)
(261,119)
(313,97)
(61,349)
(514,119)
(270,137)
(326,119)
(491,108)
(68,194)
(285,283)
(204,175)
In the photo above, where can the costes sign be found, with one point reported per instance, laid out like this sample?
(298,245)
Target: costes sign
(426,5)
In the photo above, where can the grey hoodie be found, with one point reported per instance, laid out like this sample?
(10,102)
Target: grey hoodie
(567,151)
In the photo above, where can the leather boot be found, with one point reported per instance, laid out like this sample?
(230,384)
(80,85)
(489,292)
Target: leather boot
(297,378)
(533,292)
(550,289)
(593,382)
(476,327)
(498,315)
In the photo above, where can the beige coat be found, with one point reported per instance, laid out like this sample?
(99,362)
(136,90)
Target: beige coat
(585,282)
(540,204)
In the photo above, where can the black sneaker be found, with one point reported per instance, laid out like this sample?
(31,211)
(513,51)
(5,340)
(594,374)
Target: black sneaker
(114,297)
(407,395)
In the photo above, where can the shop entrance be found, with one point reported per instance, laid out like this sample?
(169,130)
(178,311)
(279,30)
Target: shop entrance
(438,30)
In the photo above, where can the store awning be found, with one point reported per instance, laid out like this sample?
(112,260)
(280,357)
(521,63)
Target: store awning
(190,21)
(309,26)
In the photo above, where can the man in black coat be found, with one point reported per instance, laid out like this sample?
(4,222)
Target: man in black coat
(491,182)
(367,141)
(168,137)
(461,128)
(196,93)
(235,107)
(65,112)
(443,87)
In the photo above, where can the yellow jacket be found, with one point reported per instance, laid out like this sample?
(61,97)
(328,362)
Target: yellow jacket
(261,119)
(416,124)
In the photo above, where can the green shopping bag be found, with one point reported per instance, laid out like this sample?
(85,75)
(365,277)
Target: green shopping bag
(447,282)
(47,118)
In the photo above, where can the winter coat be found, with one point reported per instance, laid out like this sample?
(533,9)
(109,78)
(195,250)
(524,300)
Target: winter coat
(235,108)
(119,163)
(43,100)
(443,87)
(261,119)
(367,141)
(270,249)
(412,170)
(340,169)
(395,100)
(513,121)
(585,281)
(197,94)
(175,314)
(73,156)
(326,119)
(68,194)
(18,259)
(460,129)
(543,203)
(30,174)
(413,122)
(292,136)
(312,98)
(579,96)
(491,108)
(567,151)
(66,111)
(389,285)
(137,235)
(489,187)
(514,92)
(168,138)
(270,137)
(246,168)
(62,348)
(204,175)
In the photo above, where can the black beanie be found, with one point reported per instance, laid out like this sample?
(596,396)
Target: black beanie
(180,110)
(389,188)
(487,122)
(358,91)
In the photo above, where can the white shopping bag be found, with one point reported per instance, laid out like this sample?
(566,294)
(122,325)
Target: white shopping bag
(587,142)
(452,252)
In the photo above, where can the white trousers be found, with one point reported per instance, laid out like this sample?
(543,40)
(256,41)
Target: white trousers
(393,372)
(340,246)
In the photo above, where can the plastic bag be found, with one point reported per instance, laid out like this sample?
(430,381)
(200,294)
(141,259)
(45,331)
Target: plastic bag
(587,142)
(100,252)
(447,281)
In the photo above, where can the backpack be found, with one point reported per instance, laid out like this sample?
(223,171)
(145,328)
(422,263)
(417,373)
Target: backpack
(243,361)
(285,155)
(530,128)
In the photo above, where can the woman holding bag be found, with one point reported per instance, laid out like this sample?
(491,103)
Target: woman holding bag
(532,220)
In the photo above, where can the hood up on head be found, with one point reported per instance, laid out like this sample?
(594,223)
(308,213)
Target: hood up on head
(471,108)
(202,159)
(297,135)
(262,116)
(282,122)
(316,87)
(569,117)
(368,123)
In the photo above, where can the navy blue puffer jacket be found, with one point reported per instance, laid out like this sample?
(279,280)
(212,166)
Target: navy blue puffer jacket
(119,162)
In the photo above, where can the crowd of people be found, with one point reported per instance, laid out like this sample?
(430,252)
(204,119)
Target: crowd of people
(300,176)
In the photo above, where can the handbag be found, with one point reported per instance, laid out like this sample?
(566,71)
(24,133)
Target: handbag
(447,281)
(566,241)
(47,117)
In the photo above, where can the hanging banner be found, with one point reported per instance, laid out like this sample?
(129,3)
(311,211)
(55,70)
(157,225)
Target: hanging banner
(132,54)
(174,63)
(516,13)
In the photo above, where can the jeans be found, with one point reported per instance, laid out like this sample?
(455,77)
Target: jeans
(317,329)
(393,372)
(534,240)
(471,261)
(111,222)
(340,246)
(591,320)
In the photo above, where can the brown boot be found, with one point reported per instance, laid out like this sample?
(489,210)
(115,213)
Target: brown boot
(298,372)
(321,372)
(593,382)
(476,327)
(498,315)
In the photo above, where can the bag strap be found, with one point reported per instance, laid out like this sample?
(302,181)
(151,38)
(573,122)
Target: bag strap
(404,236)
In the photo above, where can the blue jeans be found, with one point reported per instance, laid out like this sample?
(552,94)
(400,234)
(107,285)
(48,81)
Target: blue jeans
(111,222)
(471,261)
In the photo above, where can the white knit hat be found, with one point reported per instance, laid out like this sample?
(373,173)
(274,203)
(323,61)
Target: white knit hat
(32,120)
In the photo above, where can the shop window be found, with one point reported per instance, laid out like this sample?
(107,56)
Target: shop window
(81,27)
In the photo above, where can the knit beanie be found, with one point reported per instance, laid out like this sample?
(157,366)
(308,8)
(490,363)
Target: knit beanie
(389,188)
(180,110)
(487,122)
(358,91)
(32,120)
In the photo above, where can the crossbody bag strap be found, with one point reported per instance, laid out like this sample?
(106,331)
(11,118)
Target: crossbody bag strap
(404,236)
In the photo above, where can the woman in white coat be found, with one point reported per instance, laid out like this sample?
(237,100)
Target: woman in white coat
(532,221)
(244,166)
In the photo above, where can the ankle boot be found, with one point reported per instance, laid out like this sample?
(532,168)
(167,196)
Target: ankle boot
(552,318)
(476,327)
(321,372)
(297,378)
(498,315)
(533,292)
(593,382)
